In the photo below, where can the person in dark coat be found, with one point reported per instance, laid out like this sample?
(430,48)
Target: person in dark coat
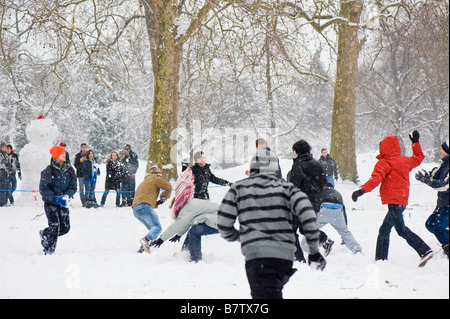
(133,168)
(4,172)
(127,169)
(57,186)
(438,222)
(308,175)
(79,159)
(113,177)
(14,169)
(203,176)
(329,166)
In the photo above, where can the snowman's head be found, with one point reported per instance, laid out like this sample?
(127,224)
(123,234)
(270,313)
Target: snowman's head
(42,131)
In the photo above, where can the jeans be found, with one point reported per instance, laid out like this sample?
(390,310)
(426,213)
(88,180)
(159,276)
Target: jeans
(147,216)
(437,223)
(267,277)
(90,191)
(4,187)
(58,225)
(126,193)
(193,240)
(12,187)
(105,194)
(394,218)
(81,189)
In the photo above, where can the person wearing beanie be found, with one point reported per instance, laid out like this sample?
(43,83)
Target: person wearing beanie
(127,169)
(308,175)
(58,185)
(146,201)
(437,179)
(392,172)
(265,206)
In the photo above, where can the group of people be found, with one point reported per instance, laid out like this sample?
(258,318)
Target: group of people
(269,209)
(9,171)
(120,176)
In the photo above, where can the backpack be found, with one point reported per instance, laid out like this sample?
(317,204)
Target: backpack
(184,192)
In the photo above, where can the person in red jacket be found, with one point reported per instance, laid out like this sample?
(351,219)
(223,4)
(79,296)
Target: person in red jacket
(392,172)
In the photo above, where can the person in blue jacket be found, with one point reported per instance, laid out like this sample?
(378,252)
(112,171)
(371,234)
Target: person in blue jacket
(90,171)
(438,222)
(57,186)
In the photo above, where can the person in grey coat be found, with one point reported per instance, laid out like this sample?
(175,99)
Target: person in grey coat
(265,207)
(199,217)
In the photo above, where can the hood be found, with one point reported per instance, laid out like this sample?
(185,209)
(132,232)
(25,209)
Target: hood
(389,147)
(264,162)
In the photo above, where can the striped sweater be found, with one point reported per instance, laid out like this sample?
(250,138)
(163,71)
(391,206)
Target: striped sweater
(264,206)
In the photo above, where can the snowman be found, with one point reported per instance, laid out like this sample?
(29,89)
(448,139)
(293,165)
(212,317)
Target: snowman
(35,156)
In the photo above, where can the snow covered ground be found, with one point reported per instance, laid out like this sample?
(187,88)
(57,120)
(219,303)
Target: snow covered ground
(98,259)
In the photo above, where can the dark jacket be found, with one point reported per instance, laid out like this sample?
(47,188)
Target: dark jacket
(329,166)
(113,175)
(127,170)
(79,164)
(203,176)
(57,180)
(309,176)
(331,195)
(87,171)
(439,181)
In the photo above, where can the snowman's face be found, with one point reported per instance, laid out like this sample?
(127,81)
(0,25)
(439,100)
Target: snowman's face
(42,131)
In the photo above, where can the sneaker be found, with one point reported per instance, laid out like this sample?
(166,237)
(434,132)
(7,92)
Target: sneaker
(425,258)
(328,246)
(145,244)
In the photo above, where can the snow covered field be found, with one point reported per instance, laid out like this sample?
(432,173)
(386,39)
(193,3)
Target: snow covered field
(98,259)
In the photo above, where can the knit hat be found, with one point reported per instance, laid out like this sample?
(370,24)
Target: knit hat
(264,162)
(445,146)
(154,170)
(56,151)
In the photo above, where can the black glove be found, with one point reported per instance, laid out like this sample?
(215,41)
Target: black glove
(414,136)
(423,176)
(20,175)
(318,259)
(357,194)
(157,243)
(175,239)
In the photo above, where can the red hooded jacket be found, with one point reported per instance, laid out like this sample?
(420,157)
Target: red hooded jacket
(392,171)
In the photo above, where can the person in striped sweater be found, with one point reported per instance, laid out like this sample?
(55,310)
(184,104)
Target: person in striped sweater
(265,205)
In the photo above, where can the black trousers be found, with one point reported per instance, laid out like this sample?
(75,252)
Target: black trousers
(4,187)
(58,225)
(267,277)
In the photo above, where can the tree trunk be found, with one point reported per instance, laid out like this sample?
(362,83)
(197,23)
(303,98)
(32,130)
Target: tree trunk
(166,60)
(343,148)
